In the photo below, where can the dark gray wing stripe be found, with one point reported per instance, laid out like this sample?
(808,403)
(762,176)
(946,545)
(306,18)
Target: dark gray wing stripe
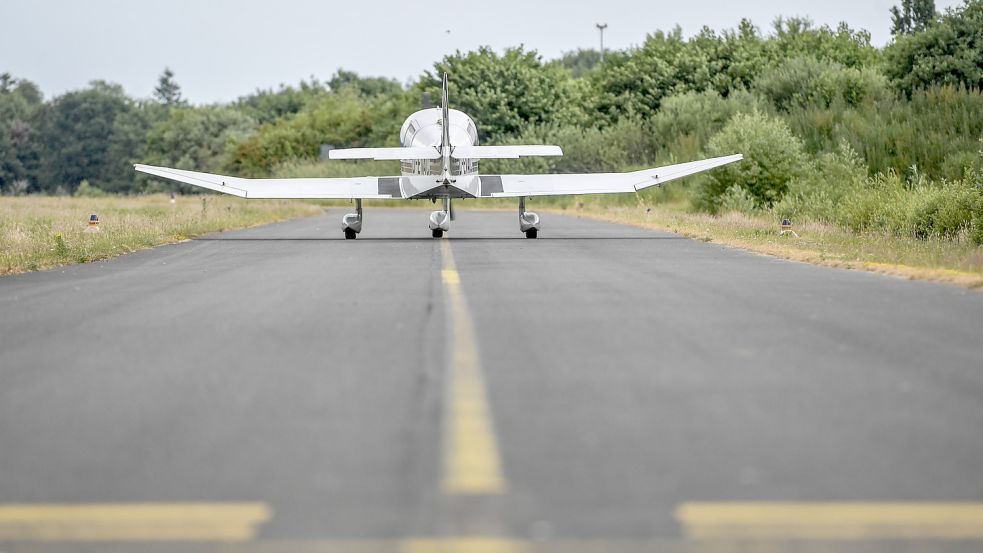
(390,185)
(491,184)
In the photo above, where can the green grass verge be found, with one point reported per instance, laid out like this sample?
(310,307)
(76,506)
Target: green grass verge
(39,232)
(956,261)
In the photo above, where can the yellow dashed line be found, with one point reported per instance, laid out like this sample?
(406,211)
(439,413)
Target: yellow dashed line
(463,545)
(472,463)
(450,276)
(132,522)
(832,521)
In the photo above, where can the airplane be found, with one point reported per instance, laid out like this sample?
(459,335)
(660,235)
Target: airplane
(439,161)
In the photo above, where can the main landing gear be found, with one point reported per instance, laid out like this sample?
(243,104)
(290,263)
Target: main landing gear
(352,223)
(528,221)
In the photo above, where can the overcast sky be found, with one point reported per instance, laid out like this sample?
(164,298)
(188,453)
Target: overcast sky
(222,49)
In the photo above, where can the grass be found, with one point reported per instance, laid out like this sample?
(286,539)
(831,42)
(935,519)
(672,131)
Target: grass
(955,261)
(40,232)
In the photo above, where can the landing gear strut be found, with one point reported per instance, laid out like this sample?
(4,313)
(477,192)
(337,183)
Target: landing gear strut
(528,221)
(440,221)
(352,223)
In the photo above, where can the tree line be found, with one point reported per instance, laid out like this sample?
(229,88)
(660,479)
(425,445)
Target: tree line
(818,111)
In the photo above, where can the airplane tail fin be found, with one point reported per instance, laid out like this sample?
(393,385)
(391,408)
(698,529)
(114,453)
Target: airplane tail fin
(445,137)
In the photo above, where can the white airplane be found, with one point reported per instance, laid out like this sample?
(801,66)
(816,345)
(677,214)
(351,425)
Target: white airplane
(440,162)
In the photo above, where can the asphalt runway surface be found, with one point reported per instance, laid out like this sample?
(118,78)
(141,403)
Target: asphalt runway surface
(600,387)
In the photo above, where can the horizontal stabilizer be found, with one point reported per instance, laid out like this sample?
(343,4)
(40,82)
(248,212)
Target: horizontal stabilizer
(504,152)
(384,153)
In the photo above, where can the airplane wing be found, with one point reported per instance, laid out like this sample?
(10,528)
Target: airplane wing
(342,188)
(494,186)
(509,186)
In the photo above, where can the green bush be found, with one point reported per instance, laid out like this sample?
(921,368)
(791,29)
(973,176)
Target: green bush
(916,208)
(818,192)
(806,81)
(86,190)
(625,145)
(932,131)
(976,229)
(773,157)
(737,199)
(343,119)
(698,116)
(948,52)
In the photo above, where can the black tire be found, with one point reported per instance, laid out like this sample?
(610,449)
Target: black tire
(438,233)
(532,233)
(350,234)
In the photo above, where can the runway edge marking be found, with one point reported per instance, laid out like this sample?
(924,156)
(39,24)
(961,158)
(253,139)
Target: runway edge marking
(223,522)
(472,463)
(831,521)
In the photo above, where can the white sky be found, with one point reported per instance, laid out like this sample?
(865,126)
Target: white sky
(221,49)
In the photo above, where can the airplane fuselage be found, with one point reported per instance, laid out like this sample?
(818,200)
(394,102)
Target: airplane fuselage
(424,129)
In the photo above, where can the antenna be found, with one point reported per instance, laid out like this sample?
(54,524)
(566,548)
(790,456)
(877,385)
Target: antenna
(601,27)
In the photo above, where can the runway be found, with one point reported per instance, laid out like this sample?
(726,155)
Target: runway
(600,387)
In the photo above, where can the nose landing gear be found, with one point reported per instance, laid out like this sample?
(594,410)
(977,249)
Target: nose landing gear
(440,221)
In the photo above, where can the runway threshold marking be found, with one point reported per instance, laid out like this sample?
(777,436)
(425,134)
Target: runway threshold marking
(831,521)
(472,464)
(132,521)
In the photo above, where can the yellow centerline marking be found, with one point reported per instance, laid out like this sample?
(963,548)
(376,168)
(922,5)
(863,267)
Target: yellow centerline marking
(477,544)
(831,521)
(132,521)
(472,462)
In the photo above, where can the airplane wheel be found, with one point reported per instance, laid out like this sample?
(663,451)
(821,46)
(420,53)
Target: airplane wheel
(532,233)
(438,233)
(350,234)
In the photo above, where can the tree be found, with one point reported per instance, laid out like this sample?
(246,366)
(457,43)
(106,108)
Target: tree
(369,86)
(580,62)
(20,102)
(344,119)
(633,84)
(912,17)
(196,138)
(7,82)
(75,131)
(267,106)
(503,93)
(168,92)
(947,52)
(773,157)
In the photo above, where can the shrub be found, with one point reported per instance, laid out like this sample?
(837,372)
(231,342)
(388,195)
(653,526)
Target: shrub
(699,115)
(917,209)
(773,157)
(737,199)
(948,52)
(806,81)
(86,190)
(625,145)
(819,191)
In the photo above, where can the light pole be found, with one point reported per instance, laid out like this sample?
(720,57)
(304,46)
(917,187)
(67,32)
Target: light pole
(601,27)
